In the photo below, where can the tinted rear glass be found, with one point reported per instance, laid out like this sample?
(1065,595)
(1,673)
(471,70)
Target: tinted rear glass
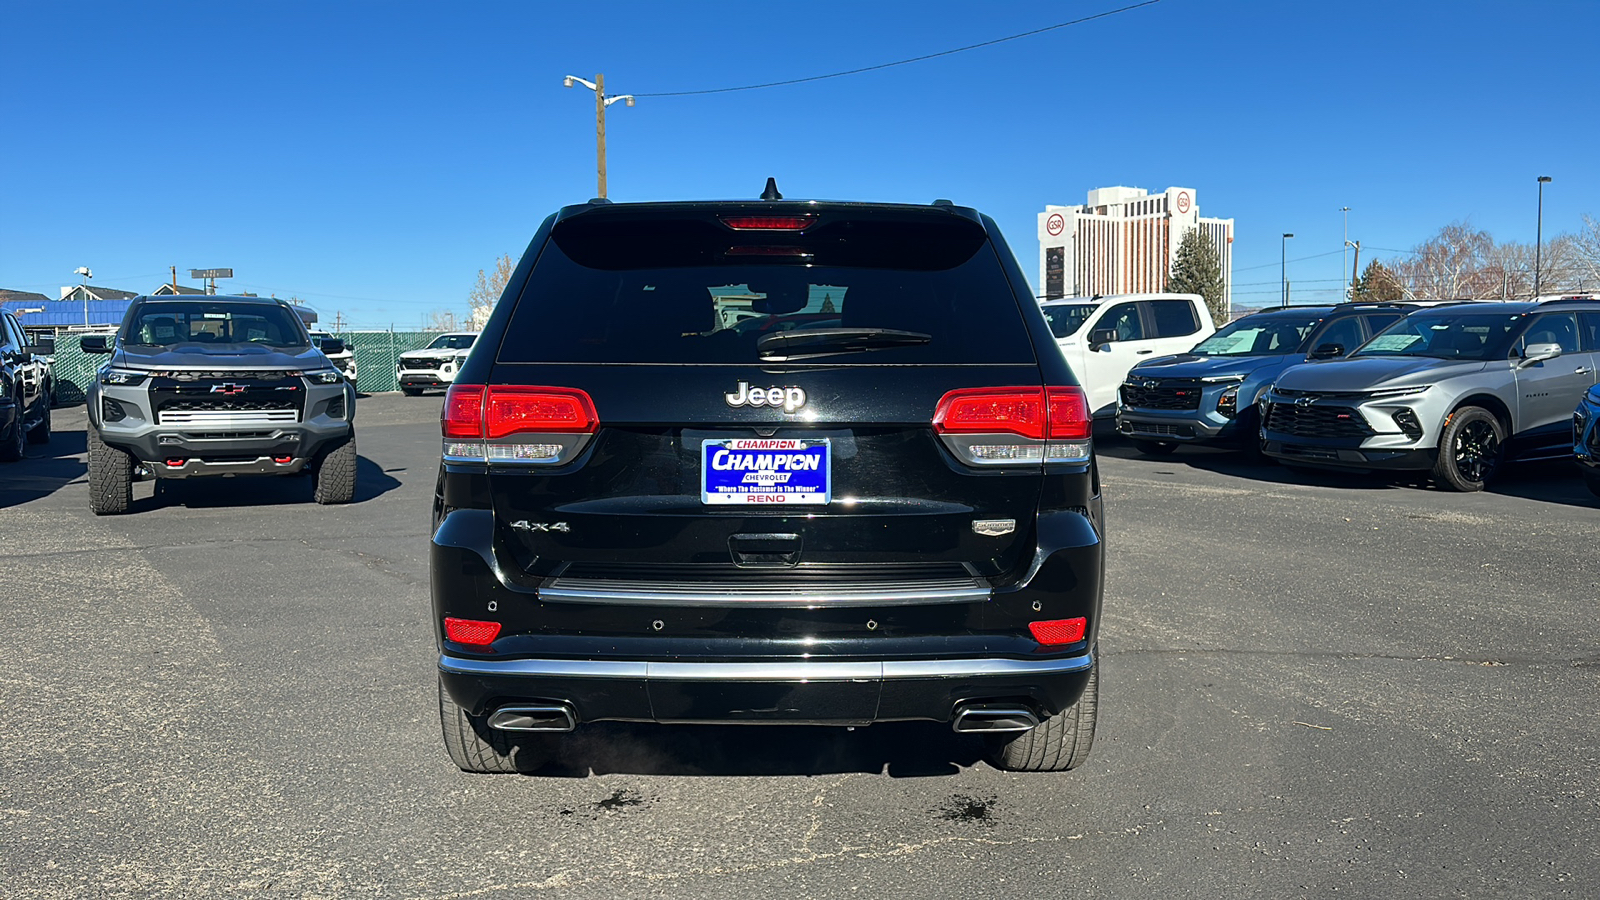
(671,292)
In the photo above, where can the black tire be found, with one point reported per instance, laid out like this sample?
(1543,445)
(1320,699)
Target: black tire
(336,474)
(110,477)
(1470,450)
(40,432)
(15,443)
(475,747)
(1155,448)
(1593,481)
(1059,743)
(411,391)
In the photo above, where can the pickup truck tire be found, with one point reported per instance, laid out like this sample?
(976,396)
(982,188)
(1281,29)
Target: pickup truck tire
(411,391)
(1059,743)
(1470,450)
(40,433)
(15,444)
(475,747)
(1155,448)
(110,477)
(336,474)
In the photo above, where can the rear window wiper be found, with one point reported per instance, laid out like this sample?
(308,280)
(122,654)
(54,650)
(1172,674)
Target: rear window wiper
(802,343)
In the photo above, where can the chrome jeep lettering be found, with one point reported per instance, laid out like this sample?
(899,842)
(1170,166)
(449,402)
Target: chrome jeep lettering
(789,398)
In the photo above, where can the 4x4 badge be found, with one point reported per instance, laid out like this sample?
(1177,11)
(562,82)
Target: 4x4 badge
(525,525)
(790,398)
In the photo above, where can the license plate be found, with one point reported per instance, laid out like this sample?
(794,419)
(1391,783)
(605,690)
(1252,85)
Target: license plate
(765,470)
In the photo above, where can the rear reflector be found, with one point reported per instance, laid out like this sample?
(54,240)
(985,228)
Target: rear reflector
(1059,631)
(471,631)
(768,223)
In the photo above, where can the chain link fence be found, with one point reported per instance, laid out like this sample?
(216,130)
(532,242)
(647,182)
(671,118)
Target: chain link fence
(376,353)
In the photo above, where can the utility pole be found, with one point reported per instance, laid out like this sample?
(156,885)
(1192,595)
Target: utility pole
(174,279)
(1346,211)
(1538,240)
(601,101)
(1354,267)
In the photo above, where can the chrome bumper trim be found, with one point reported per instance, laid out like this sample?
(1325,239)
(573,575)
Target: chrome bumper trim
(797,670)
(609,591)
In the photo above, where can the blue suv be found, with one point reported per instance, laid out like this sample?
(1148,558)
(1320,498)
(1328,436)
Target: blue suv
(1208,395)
(1586,438)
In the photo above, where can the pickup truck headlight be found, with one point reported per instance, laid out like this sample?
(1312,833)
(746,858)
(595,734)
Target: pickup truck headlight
(324,376)
(122,377)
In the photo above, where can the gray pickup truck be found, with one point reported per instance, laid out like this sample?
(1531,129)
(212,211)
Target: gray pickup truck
(1456,390)
(216,386)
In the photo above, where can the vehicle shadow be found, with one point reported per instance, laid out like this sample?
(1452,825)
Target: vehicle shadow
(261,490)
(1548,481)
(902,749)
(44,469)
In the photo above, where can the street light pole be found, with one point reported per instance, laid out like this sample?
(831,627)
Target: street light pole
(84,271)
(1283,265)
(601,101)
(1343,254)
(1538,240)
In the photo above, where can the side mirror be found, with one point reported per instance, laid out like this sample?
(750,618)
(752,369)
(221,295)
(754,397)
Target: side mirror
(44,346)
(1327,351)
(1101,336)
(331,346)
(94,343)
(1539,353)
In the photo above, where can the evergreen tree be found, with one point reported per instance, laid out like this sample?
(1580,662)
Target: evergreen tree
(1377,285)
(1198,270)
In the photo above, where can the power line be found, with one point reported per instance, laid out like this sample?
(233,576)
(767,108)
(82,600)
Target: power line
(902,62)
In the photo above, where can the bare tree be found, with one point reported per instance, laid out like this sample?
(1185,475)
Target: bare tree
(486,293)
(1586,253)
(442,320)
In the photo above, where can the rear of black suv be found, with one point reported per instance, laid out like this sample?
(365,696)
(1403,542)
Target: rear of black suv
(767,462)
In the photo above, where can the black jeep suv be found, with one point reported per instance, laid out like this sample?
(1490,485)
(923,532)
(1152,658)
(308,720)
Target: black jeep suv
(767,462)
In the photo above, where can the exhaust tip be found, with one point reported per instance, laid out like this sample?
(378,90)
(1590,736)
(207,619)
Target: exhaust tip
(553,717)
(990,717)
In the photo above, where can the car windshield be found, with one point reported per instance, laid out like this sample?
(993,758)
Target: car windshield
(452,342)
(1270,335)
(187,322)
(1481,336)
(1065,319)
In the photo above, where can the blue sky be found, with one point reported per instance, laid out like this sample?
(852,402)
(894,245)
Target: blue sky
(371,157)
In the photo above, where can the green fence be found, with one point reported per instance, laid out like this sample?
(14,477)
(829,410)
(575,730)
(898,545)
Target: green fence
(376,352)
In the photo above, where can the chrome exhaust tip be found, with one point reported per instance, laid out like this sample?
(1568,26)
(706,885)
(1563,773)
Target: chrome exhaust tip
(987,717)
(554,717)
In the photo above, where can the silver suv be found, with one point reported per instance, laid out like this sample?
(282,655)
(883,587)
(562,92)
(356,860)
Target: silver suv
(1456,390)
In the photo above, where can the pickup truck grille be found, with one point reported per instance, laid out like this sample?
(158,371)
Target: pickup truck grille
(421,364)
(232,402)
(1170,394)
(1317,421)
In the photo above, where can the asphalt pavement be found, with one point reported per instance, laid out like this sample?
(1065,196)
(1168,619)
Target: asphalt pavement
(1312,686)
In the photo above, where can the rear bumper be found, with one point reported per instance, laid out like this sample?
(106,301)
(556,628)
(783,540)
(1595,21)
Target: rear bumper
(828,692)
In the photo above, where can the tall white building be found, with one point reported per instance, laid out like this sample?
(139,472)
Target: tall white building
(1123,241)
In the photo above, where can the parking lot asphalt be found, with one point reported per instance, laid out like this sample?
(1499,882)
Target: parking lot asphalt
(1315,685)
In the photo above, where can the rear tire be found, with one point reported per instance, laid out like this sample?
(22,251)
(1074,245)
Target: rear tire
(1155,448)
(475,747)
(1059,743)
(411,391)
(40,433)
(336,474)
(15,444)
(1470,450)
(110,477)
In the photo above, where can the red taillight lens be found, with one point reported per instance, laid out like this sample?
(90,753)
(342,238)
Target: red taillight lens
(1012,410)
(511,410)
(1059,631)
(463,411)
(768,223)
(471,631)
(1069,414)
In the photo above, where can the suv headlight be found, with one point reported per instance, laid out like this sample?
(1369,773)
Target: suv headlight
(1228,402)
(1393,393)
(122,377)
(324,376)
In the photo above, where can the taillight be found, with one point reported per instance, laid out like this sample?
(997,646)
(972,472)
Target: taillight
(768,223)
(1015,425)
(516,423)
(1059,631)
(471,631)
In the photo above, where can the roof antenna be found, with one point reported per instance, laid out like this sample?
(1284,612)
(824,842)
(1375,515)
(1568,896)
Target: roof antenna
(771,193)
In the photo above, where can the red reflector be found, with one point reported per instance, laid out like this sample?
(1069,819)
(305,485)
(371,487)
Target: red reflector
(283,460)
(175,463)
(768,223)
(471,631)
(1012,410)
(1069,414)
(509,410)
(462,416)
(1058,631)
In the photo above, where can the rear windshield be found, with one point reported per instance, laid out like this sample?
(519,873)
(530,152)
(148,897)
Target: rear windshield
(1453,335)
(671,292)
(1274,335)
(190,322)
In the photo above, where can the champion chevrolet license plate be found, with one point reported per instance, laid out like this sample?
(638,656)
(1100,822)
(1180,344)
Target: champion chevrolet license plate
(794,472)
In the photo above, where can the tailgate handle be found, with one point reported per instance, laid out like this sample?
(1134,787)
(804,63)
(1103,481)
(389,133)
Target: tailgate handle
(765,550)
